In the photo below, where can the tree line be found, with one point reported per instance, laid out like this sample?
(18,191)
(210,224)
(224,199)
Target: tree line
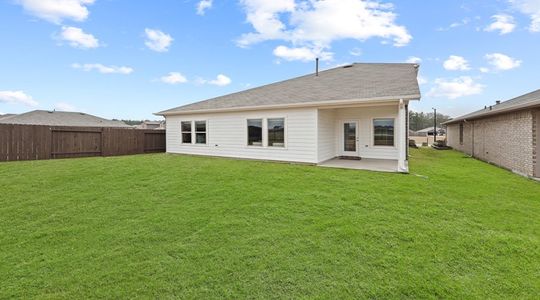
(421,120)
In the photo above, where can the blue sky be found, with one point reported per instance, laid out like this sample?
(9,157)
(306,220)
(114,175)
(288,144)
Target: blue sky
(129,59)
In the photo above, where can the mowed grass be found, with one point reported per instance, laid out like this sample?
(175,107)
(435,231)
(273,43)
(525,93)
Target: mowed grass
(171,226)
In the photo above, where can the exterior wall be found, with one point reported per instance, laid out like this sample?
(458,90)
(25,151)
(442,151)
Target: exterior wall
(227,135)
(505,140)
(453,137)
(329,131)
(327,135)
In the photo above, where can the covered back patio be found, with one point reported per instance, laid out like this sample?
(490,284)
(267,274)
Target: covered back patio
(371,136)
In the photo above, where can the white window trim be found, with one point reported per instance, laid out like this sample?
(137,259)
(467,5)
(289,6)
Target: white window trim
(265,133)
(373,133)
(182,133)
(247,133)
(194,136)
(284,133)
(194,133)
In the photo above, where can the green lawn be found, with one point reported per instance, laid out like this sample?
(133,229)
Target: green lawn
(169,226)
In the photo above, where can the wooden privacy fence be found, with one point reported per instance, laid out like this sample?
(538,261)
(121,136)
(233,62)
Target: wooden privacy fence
(31,142)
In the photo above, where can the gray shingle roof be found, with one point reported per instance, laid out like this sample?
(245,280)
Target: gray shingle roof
(531,99)
(60,118)
(360,81)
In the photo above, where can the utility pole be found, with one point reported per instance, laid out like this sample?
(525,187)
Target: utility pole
(434,125)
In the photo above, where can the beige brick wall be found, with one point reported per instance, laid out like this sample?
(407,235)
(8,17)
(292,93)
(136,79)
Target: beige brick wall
(506,140)
(453,137)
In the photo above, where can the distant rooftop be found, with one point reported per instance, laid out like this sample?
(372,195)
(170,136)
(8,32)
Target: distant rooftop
(359,82)
(428,129)
(60,118)
(531,99)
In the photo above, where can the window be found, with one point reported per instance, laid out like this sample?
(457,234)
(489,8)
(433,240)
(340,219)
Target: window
(186,132)
(276,132)
(383,132)
(200,132)
(255,130)
(461,133)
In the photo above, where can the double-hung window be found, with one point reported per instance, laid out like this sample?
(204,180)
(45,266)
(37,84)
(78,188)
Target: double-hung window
(276,132)
(200,132)
(383,132)
(186,132)
(255,132)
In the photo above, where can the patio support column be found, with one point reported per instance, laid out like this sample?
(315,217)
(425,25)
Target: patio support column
(401,140)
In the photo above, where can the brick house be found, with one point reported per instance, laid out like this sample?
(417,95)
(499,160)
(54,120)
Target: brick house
(504,134)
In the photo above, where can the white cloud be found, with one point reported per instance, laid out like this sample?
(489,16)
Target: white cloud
(422,80)
(63,106)
(311,24)
(103,69)
(356,52)
(503,23)
(78,38)
(17,97)
(157,40)
(56,10)
(174,78)
(456,63)
(455,88)
(461,23)
(301,53)
(202,6)
(530,8)
(221,80)
(502,62)
(413,60)
(484,70)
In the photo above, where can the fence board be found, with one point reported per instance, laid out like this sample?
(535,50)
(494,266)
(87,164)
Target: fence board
(29,142)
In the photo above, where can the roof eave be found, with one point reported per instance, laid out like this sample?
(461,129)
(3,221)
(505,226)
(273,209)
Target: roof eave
(291,105)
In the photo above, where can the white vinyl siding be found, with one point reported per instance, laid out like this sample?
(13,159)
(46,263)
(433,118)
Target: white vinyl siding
(227,135)
(327,138)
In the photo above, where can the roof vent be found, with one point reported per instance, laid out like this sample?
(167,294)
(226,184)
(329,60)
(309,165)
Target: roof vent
(490,107)
(347,66)
(497,102)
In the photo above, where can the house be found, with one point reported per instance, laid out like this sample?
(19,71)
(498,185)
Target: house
(151,125)
(429,131)
(505,134)
(358,111)
(60,118)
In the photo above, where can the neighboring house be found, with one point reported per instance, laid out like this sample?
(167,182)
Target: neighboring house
(354,111)
(60,118)
(505,134)
(151,125)
(429,131)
